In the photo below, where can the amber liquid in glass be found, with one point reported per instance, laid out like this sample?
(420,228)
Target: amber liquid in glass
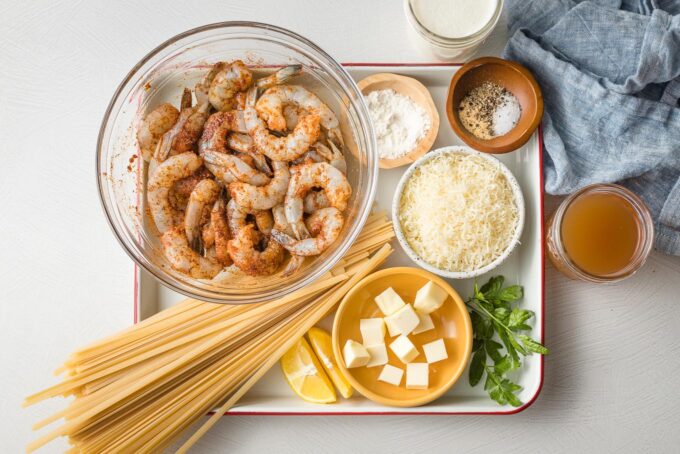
(600,233)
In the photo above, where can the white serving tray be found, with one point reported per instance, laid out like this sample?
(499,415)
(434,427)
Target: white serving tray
(272,396)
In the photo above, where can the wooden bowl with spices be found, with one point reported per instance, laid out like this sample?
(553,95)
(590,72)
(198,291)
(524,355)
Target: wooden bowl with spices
(404,116)
(494,105)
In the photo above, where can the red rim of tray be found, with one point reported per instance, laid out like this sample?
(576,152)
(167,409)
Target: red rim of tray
(513,411)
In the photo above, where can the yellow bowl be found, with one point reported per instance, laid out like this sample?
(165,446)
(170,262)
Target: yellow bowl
(451,322)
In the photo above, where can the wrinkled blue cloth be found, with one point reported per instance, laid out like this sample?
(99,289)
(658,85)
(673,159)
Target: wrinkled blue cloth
(610,75)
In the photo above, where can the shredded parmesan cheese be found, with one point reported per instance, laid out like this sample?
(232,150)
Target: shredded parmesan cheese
(458,212)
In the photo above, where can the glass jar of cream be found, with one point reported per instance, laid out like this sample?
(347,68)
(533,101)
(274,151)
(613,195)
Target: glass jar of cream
(451,29)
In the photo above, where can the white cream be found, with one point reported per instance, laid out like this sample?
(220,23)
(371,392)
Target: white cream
(454,18)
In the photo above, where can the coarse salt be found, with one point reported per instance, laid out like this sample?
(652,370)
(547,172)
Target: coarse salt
(398,121)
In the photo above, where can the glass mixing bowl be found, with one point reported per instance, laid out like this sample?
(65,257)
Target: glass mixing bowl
(159,77)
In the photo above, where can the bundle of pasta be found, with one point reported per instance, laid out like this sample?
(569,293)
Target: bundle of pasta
(139,389)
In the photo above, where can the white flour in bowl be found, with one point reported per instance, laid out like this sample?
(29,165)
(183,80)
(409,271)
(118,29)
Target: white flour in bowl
(398,121)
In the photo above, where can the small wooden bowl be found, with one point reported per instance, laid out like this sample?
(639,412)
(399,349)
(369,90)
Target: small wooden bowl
(419,93)
(451,323)
(513,77)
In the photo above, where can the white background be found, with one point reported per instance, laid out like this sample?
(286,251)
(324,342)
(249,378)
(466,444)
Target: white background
(611,382)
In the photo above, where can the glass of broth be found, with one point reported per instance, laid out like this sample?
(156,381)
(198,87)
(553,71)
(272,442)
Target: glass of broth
(600,233)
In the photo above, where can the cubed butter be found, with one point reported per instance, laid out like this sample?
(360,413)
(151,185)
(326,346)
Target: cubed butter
(378,355)
(372,330)
(403,321)
(391,375)
(417,375)
(355,354)
(404,349)
(430,298)
(389,302)
(435,351)
(425,323)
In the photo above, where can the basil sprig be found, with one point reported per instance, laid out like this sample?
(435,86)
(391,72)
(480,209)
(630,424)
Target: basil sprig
(494,316)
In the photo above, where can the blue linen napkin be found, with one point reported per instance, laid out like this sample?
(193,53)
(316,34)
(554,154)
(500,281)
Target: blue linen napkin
(610,75)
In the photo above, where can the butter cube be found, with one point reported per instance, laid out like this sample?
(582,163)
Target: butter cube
(355,354)
(417,375)
(389,302)
(378,355)
(404,349)
(435,351)
(425,323)
(391,375)
(372,330)
(403,321)
(430,298)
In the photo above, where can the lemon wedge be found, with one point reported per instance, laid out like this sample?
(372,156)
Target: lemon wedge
(321,343)
(305,375)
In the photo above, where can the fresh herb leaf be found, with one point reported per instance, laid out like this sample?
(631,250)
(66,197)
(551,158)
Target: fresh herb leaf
(491,288)
(494,312)
(493,350)
(510,294)
(517,318)
(477,367)
(501,389)
(532,345)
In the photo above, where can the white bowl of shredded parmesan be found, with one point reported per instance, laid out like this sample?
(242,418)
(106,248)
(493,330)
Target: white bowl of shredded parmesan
(458,213)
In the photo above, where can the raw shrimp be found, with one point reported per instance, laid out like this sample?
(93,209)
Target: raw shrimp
(184,259)
(262,197)
(237,217)
(230,79)
(324,225)
(220,230)
(202,88)
(161,182)
(217,127)
(229,168)
(243,251)
(184,136)
(306,177)
(315,200)
(271,104)
(181,190)
(281,225)
(156,123)
(279,77)
(202,197)
(286,148)
(243,143)
(333,155)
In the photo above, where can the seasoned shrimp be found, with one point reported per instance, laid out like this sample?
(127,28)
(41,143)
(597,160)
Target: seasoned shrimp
(202,88)
(156,123)
(184,259)
(184,135)
(182,189)
(272,102)
(201,199)
(243,251)
(243,143)
(229,168)
(333,155)
(262,197)
(286,148)
(315,200)
(303,179)
(281,76)
(161,182)
(324,225)
(217,127)
(230,79)
(281,225)
(220,230)
(237,217)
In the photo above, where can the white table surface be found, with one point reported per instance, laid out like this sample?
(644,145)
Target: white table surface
(611,382)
